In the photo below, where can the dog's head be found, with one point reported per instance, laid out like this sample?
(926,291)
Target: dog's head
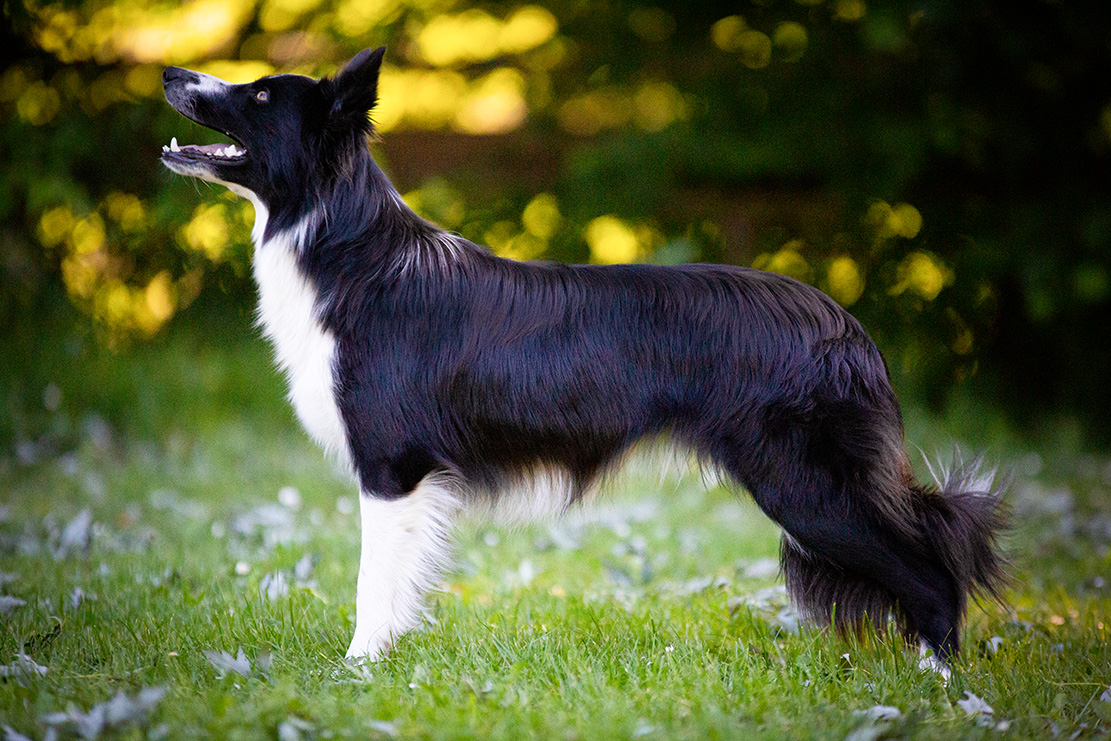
(284,129)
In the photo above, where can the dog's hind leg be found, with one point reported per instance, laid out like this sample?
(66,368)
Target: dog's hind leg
(863,542)
(405,544)
(842,565)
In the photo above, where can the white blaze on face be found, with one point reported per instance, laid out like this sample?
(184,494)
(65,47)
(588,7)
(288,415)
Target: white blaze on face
(208,84)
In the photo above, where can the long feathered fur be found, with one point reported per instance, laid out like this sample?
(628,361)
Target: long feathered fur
(955,522)
(432,360)
(964,515)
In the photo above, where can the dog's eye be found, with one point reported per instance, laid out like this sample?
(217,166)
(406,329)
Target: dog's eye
(262,96)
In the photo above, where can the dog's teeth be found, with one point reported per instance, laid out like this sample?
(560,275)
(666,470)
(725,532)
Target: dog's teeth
(173,145)
(165,148)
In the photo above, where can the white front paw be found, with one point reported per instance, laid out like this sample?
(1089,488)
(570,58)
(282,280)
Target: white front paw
(369,646)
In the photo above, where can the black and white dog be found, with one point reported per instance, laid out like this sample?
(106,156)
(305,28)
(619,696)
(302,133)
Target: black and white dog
(444,376)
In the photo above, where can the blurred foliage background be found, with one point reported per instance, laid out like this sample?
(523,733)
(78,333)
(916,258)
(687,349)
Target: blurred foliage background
(940,167)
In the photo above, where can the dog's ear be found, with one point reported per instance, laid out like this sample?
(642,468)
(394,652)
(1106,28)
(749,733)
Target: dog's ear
(356,86)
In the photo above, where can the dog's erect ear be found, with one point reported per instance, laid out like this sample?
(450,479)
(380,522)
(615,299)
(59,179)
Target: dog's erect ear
(356,87)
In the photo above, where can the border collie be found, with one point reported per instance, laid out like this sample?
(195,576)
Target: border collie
(444,377)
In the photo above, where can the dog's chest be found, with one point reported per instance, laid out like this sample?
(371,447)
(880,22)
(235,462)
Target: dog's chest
(304,349)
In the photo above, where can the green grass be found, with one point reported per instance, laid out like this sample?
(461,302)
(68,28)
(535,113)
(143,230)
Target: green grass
(626,621)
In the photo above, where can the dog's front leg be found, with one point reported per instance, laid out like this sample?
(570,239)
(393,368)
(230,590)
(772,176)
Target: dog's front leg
(404,549)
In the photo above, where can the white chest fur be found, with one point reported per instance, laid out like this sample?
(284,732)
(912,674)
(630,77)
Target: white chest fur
(304,349)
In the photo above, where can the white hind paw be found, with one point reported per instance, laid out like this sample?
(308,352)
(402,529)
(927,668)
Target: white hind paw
(930,663)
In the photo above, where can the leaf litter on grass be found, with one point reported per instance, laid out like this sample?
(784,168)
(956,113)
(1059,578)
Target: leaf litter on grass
(9,603)
(879,722)
(121,711)
(226,663)
(22,666)
(977,708)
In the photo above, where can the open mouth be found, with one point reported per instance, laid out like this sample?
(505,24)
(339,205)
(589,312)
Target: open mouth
(221,152)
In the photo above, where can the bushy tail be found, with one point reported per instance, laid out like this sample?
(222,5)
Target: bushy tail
(918,561)
(961,518)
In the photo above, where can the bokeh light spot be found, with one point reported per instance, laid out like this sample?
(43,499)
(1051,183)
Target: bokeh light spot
(527,29)
(900,220)
(159,297)
(850,10)
(55,225)
(495,104)
(612,240)
(541,216)
(144,80)
(905,220)
(125,209)
(845,281)
(469,36)
(726,33)
(355,18)
(791,40)
(656,105)
(207,231)
(787,260)
(88,235)
(755,49)
(921,274)
(38,104)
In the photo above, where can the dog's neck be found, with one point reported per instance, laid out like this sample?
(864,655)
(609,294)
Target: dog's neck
(357,206)
(354,238)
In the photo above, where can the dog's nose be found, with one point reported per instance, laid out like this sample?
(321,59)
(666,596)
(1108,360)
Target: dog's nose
(171,74)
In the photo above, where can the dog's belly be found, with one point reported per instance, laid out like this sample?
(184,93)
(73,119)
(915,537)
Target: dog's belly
(304,349)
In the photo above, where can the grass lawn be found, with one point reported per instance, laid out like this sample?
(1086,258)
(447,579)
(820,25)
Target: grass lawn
(140,556)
